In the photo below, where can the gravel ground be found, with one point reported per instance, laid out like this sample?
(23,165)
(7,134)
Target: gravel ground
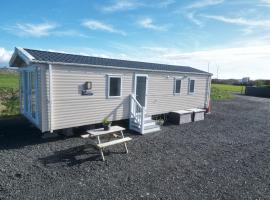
(225,156)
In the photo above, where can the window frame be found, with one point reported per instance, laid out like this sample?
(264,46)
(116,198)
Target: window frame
(26,85)
(189,81)
(109,76)
(174,86)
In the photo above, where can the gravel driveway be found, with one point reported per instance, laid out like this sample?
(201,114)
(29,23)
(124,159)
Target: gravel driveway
(226,156)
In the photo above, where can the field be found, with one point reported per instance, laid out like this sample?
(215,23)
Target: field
(224,91)
(10,80)
(230,88)
(9,97)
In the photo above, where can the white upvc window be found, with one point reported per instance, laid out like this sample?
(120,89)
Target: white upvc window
(114,86)
(191,86)
(177,86)
(28,90)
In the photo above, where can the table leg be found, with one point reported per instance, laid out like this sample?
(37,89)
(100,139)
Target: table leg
(98,139)
(101,152)
(125,142)
(102,155)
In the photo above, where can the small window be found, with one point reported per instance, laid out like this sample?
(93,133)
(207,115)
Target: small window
(177,86)
(191,86)
(114,86)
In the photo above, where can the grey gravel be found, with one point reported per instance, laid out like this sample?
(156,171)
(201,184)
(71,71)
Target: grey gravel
(226,156)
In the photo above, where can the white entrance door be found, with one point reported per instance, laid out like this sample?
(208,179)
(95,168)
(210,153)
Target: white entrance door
(141,82)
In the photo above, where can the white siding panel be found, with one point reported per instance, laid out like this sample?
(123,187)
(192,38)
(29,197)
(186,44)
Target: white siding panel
(162,100)
(73,109)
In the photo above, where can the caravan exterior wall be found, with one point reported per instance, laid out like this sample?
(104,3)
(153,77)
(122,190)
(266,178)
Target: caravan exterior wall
(71,108)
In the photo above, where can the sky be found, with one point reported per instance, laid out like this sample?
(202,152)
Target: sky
(229,38)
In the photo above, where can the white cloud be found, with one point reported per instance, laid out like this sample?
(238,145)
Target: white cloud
(240,21)
(192,17)
(125,5)
(265,2)
(71,33)
(121,5)
(191,10)
(148,24)
(237,61)
(5,56)
(97,25)
(234,62)
(35,30)
(41,30)
(165,3)
(204,3)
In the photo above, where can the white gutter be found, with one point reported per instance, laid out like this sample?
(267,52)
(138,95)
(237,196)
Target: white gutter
(51,97)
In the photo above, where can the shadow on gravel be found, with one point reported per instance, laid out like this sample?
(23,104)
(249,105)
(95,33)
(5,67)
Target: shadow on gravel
(73,156)
(76,155)
(17,132)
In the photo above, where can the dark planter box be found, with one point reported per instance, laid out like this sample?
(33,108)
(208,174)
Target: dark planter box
(180,117)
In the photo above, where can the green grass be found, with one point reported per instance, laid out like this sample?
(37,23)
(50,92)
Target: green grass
(229,88)
(224,91)
(9,103)
(9,80)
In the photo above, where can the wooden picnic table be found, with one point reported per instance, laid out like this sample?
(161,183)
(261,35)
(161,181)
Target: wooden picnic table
(113,130)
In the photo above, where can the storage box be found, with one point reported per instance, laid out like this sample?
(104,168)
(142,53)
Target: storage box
(198,114)
(180,117)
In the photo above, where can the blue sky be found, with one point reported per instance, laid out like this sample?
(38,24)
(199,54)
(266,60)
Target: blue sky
(232,35)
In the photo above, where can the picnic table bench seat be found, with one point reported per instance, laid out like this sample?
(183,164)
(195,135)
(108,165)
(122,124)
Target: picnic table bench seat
(101,132)
(113,142)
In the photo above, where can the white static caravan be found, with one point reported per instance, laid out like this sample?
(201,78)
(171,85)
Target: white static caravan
(60,91)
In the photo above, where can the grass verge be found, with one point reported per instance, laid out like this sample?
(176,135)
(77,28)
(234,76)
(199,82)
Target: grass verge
(9,96)
(224,91)
(9,80)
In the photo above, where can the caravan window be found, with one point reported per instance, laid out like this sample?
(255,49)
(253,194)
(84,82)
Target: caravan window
(191,86)
(114,86)
(177,86)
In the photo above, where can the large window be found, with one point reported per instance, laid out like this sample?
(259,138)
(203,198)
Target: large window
(177,86)
(29,93)
(114,86)
(191,86)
